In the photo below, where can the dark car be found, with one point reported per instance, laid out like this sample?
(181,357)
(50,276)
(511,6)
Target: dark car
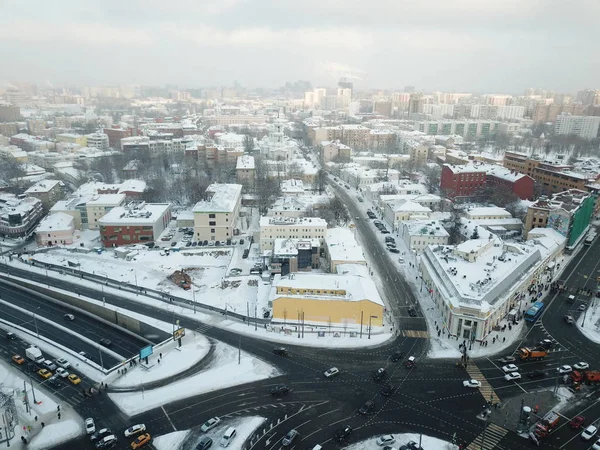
(11,336)
(281,351)
(546,343)
(367,408)
(412,312)
(280,389)
(388,390)
(577,422)
(33,367)
(379,374)
(393,250)
(343,433)
(100,434)
(289,438)
(396,356)
(54,381)
(390,239)
(204,443)
(536,374)
(188,244)
(105,342)
(412,445)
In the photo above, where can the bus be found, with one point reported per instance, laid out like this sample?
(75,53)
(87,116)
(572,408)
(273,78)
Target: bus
(534,312)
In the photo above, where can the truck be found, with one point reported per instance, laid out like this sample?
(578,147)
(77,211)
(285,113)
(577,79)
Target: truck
(547,425)
(526,353)
(585,376)
(35,354)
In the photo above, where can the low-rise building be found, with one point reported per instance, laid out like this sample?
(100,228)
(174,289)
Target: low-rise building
(215,219)
(292,188)
(294,255)
(136,222)
(487,212)
(297,206)
(72,138)
(55,229)
(98,140)
(327,298)
(272,228)
(245,170)
(47,191)
(99,205)
(19,215)
(334,150)
(419,234)
(396,211)
(342,248)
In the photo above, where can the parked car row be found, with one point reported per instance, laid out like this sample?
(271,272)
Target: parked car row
(46,368)
(106,439)
(206,441)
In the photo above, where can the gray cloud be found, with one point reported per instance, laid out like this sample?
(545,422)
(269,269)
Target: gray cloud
(477,45)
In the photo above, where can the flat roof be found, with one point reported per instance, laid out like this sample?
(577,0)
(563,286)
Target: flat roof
(488,211)
(292,221)
(106,199)
(245,162)
(223,198)
(55,222)
(425,228)
(42,186)
(135,214)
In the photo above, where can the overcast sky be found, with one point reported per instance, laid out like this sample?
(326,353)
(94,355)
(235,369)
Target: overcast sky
(452,45)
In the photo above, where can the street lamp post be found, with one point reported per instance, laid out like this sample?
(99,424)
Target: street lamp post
(361,323)
(371,317)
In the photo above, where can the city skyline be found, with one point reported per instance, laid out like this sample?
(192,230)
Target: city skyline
(458,46)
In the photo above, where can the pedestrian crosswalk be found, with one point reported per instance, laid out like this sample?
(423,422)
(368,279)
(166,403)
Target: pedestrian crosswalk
(416,334)
(486,389)
(489,438)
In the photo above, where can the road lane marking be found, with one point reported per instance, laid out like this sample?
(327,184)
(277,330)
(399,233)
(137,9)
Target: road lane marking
(328,412)
(168,418)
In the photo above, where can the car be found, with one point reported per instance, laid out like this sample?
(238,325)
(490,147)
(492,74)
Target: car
(569,319)
(412,311)
(581,308)
(401,260)
(386,439)
(388,390)
(85,355)
(536,374)
(100,434)
(54,381)
(577,422)
(367,408)
(385,231)
(62,362)
(581,365)
(393,250)
(343,433)
(589,432)
(410,362)
(18,359)
(106,442)
(141,440)
(135,429)
(289,438)
(74,379)
(508,359)
(512,376)
(390,245)
(105,342)
(333,372)
(188,244)
(280,389)
(472,384)
(44,373)
(90,426)
(412,445)
(227,437)
(33,367)
(49,365)
(396,356)
(62,372)
(379,374)
(210,424)
(211,243)
(204,443)
(596,446)
(11,336)
(390,239)
(546,343)
(510,368)
(564,369)
(194,244)
(281,351)
(69,317)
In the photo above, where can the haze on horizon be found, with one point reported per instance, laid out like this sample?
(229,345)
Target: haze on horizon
(451,45)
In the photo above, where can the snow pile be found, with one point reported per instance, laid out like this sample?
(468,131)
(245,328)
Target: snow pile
(171,441)
(428,442)
(57,433)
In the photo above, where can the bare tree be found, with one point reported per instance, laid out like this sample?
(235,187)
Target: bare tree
(433,175)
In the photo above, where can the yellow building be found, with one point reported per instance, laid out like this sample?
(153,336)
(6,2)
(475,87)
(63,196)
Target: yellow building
(72,138)
(327,298)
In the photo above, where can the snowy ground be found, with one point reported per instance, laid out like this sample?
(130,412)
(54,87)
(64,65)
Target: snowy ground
(427,442)
(244,426)
(223,372)
(43,410)
(591,326)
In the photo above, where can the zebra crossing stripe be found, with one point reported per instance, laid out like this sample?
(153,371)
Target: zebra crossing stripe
(489,438)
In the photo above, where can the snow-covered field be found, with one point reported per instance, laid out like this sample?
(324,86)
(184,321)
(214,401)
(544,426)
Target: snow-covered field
(590,327)
(171,441)
(427,442)
(223,372)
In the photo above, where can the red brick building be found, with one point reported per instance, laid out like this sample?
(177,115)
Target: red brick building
(469,179)
(115,135)
(134,223)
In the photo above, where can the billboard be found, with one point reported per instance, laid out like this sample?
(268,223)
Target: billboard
(178,333)
(145,351)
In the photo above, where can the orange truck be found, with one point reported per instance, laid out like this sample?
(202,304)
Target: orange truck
(548,423)
(585,376)
(526,353)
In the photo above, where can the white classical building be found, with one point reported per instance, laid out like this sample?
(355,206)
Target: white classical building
(276,145)
(419,234)
(55,229)
(272,228)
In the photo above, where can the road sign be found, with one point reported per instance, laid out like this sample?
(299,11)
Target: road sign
(145,352)
(178,333)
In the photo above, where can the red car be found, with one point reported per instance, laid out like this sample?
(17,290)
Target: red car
(577,422)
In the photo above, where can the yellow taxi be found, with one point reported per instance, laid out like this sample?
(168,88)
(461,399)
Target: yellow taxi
(18,359)
(141,440)
(74,379)
(44,373)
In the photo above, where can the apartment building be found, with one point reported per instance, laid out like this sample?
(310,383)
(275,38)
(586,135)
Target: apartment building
(19,215)
(272,228)
(245,170)
(47,191)
(215,219)
(585,127)
(419,234)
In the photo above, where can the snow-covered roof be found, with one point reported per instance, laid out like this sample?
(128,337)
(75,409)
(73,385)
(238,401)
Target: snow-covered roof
(299,203)
(483,211)
(56,222)
(11,204)
(292,186)
(349,287)
(106,200)
(133,186)
(224,198)
(135,214)
(293,221)
(342,246)
(408,206)
(42,186)
(425,227)
(245,162)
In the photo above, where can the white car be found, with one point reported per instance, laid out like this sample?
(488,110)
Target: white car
(471,384)
(62,372)
(210,424)
(62,362)
(331,372)
(510,368)
(90,426)
(564,369)
(581,308)
(135,429)
(512,376)
(581,365)
(596,446)
(386,439)
(589,433)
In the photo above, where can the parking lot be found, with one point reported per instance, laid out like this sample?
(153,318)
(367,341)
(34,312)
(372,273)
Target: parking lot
(183,237)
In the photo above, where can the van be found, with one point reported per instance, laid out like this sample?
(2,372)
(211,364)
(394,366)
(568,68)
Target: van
(317,447)
(229,435)
(571,299)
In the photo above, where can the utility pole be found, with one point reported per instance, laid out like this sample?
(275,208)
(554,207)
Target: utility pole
(32,390)
(35,322)
(255,318)
(193,296)
(361,324)
(101,363)
(240,350)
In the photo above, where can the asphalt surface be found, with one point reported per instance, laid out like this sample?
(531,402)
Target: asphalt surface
(429,398)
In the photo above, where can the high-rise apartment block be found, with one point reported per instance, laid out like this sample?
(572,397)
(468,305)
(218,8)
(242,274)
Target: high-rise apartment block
(586,127)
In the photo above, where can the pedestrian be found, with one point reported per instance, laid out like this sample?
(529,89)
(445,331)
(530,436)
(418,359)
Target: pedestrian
(503,339)
(160,355)
(159,361)
(119,371)
(58,407)
(59,416)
